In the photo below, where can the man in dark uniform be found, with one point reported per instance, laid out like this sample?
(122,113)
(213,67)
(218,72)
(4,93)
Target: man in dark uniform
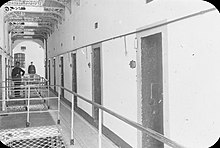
(17,72)
(31,71)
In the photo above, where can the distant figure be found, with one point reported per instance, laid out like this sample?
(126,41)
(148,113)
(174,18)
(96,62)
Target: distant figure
(17,72)
(31,69)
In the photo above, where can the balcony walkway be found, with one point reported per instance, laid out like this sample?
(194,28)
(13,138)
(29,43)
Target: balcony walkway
(85,136)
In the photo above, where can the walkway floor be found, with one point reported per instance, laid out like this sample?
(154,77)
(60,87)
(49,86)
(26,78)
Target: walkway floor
(85,136)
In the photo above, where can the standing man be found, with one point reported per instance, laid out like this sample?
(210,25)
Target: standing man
(31,69)
(17,72)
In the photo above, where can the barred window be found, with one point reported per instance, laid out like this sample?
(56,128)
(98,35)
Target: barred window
(20,57)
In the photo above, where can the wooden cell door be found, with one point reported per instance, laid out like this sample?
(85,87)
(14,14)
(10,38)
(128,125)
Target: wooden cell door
(62,76)
(96,79)
(74,77)
(54,72)
(152,88)
(49,79)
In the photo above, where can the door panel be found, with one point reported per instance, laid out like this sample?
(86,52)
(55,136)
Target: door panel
(1,83)
(74,77)
(54,68)
(49,79)
(62,76)
(96,74)
(152,88)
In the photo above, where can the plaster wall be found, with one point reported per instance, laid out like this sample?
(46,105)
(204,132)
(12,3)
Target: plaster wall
(193,57)
(185,74)
(1,28)
(67,75)
(84,77)
(119,86)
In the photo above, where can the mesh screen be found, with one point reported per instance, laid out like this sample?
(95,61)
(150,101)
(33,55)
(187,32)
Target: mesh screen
(33,137)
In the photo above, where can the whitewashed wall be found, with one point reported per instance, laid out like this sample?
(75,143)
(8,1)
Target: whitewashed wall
(187,79)
(67,74)
(119,86)
(84,77)
(1,28)
(193,59)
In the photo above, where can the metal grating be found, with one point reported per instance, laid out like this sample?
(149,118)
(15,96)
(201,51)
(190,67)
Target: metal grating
(48,142)
(36,137)
(33,107)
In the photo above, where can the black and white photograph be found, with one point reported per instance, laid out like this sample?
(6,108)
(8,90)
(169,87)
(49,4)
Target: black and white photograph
(109,74)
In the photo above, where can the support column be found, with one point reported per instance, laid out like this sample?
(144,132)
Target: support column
(46,59)
(3,67)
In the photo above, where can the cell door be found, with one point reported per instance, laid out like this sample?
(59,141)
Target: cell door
(1,83)
(54,72)
(96,79)
(49,72)
(152,87)
(6,70)
(74,77)
(6,74)
(62,75)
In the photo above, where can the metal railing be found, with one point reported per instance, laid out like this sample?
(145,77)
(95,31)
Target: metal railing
(101,108)
(27,86)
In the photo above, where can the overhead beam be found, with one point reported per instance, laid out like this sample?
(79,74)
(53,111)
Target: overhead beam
(55,12)
(25,3)
(18,37)
(40,3)
(32,30)
(22,27)
(31,19)
(25,34)
(65,3)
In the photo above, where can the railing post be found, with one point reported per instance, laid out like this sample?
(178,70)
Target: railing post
(38,85)
(58,105)
(72,121)
(28,107)
(42,86)
(7,94)
(3,97)
(48,93)
(26,91)
(100,128)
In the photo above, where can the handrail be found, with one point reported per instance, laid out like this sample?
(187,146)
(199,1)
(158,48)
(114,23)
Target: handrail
(28,99)
(149,131)
(138,126)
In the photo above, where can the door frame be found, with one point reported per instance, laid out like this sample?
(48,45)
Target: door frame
(54,73)
(72,73)
(144,32)
(101,78)
(62,81)
(49,68)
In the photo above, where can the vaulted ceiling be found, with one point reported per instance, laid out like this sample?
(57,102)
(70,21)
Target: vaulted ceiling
(34,19)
